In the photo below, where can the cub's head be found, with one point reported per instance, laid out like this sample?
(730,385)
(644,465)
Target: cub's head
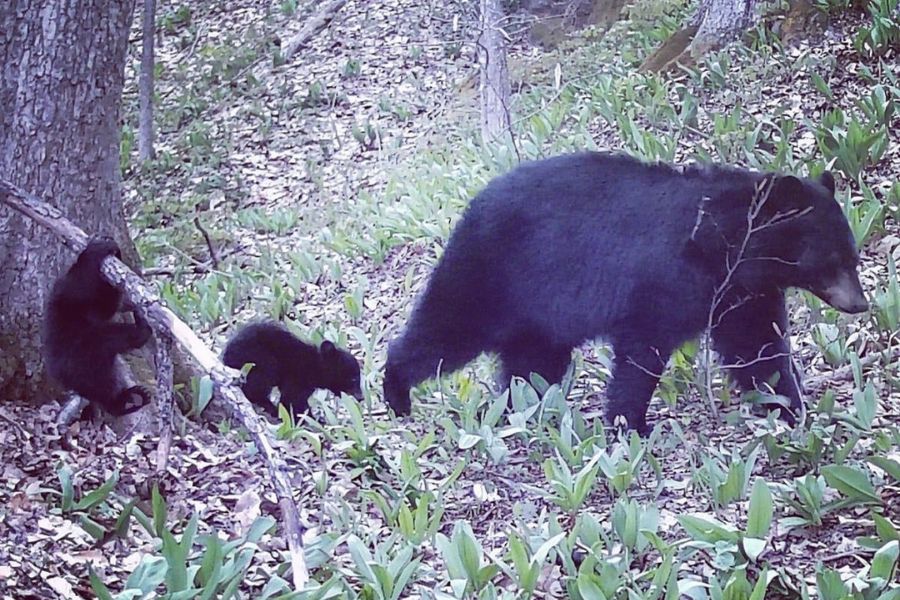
(340,370)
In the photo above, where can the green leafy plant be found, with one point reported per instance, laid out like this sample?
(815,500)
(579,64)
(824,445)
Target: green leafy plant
(181,567)
(387,571)
(851,143)
(884,32)
(468,569)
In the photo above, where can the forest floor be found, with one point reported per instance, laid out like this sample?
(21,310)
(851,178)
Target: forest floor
(328,186)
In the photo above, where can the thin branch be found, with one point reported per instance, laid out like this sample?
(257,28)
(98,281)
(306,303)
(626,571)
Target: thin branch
(213,255)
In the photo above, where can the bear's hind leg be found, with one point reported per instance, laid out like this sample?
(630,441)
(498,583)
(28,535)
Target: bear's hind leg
(295,396)
(258,388)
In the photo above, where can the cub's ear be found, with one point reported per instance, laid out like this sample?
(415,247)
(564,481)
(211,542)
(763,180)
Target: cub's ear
(327,348)
(827,179)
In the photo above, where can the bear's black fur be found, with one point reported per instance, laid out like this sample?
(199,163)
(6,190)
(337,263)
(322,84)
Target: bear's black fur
(82,342)
(296,368)
(598,245)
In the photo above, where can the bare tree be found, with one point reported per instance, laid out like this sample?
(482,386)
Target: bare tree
(145,83)
(61,78)
(494,86)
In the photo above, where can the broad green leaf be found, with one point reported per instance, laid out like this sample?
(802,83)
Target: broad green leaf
(884,564)
(884,528)
(204,393)
(211,564)
(149,573)
(99,495)
(588,586)
(520,561)
(159,511)
(401,580)
(361,558)
(451,557)
(704,528)
(759,518)
(762,583)
(68,489)
(98,586)
(405,521)
(94,529)
(468,440)
(753,547)
(541,554)
(851,482)
(888,465)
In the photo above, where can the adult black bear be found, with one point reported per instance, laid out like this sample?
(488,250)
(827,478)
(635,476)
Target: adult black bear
(296,368)
(82,342)
(598,245)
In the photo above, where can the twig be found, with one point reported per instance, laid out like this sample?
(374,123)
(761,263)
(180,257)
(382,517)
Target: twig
(12,422)
(846,554)
(213,255)
(845,373)
(165,324)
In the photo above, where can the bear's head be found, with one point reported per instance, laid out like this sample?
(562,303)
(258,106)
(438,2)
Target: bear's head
(800,238)
(340,371)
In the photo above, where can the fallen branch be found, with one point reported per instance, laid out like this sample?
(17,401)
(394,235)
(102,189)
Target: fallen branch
(313,25)
(845,373)
(167,326)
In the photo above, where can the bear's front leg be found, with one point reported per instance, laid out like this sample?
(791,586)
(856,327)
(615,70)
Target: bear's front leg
(750,334)
(636,371)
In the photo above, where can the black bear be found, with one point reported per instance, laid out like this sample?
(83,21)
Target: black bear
(296,368)
(82,342)
(645,256)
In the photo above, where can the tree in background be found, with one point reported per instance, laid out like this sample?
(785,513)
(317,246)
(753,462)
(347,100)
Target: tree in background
(61,77)
(145,83)
(494,76)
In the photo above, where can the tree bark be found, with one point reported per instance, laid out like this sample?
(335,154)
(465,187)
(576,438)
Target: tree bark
(495,87)
(145,84)
(714,24)
(61,76)
(720,22)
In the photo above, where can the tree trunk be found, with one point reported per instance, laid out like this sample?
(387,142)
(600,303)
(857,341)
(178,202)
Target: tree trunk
(720,22)
(714,24)
(61,76)
(145,84)
(495,88)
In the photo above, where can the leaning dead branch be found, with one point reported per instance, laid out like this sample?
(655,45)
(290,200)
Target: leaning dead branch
(313,25)
(166,327)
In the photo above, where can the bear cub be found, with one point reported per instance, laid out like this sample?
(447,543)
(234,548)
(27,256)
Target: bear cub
(644,256)
(82,342)
(296,368)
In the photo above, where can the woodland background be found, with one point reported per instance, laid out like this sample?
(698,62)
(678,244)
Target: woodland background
(318,184)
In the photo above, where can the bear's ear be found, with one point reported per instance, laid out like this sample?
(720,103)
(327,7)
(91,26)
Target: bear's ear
(827,179)
(327,348)
(787,192)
